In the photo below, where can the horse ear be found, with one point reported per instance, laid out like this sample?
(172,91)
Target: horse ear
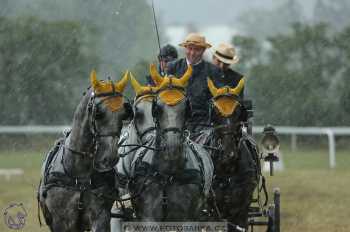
(213,90)
(238,89)
(211,112)
(93,79)
(129,113)
(120,85)
(156,77)
(184,79)
(135,85)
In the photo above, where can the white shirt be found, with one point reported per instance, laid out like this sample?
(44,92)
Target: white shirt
(188,63)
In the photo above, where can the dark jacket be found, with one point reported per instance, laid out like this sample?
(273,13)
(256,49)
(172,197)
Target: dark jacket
(149,80)
(230,78)
(197,88)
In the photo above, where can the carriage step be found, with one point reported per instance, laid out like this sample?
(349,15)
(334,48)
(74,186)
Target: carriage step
(117,215)
(257,223)
(254,209)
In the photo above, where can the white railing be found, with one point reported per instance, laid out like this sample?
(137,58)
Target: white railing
(32,129)
(330,132)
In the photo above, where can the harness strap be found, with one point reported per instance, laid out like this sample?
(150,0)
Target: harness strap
(80,207)
(146,131)
(164,203)
(97,180)
(81,200)
(263,187)
(188,176)
(82,153)
(111,134)
(172,129)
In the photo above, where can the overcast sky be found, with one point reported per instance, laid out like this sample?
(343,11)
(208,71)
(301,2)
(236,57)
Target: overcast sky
(199,12)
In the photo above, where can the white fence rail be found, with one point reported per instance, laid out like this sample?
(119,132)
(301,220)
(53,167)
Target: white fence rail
(330,132)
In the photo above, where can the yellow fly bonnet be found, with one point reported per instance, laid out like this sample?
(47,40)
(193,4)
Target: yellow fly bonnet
(146,93)
(225,98)
(102,88)
(171,90)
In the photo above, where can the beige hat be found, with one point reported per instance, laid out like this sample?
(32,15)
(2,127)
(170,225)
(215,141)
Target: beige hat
(195,39)
(226,53)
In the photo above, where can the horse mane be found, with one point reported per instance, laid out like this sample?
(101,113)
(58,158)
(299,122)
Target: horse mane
(80,110)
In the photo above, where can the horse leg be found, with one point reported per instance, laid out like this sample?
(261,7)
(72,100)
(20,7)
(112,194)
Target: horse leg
(185,202)
(61,205)
(102,222)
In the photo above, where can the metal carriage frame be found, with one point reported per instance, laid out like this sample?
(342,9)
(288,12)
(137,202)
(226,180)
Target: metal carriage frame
(268,213)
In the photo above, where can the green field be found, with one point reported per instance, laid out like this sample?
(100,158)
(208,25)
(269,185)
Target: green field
(313,197)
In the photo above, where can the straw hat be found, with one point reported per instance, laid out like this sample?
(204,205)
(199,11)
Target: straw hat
(226,53)
(195,39)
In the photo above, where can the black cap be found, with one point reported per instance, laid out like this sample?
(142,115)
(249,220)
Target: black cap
(168,52)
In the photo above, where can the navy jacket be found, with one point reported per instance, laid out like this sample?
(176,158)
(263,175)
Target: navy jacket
(230,78)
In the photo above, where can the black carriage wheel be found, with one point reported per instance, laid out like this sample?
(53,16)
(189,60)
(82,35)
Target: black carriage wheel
(277,213)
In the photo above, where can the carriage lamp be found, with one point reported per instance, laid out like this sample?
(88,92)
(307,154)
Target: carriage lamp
(270,146)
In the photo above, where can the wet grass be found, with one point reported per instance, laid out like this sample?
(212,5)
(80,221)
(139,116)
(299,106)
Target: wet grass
(313,197)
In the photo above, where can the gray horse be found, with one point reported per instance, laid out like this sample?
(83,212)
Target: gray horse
(139,133)
(167,182)
(77,188)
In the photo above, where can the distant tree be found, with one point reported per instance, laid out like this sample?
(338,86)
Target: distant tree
(300,82)
(49,47)
(122,31)
(248,50)
(342,86)
(41,67)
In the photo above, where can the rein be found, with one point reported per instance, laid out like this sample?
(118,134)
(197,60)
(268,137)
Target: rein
(137,146)
(92,121)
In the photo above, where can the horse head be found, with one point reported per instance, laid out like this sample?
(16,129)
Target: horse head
(170,110)
(143,119)
(225,114)
(98,122)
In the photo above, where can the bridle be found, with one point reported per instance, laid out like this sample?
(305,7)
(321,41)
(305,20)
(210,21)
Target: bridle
(140,136)
(221,132)
(149,129)
(96,134)
(161,132)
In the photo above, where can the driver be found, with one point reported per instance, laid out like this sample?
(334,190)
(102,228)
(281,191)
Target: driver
(197,90)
